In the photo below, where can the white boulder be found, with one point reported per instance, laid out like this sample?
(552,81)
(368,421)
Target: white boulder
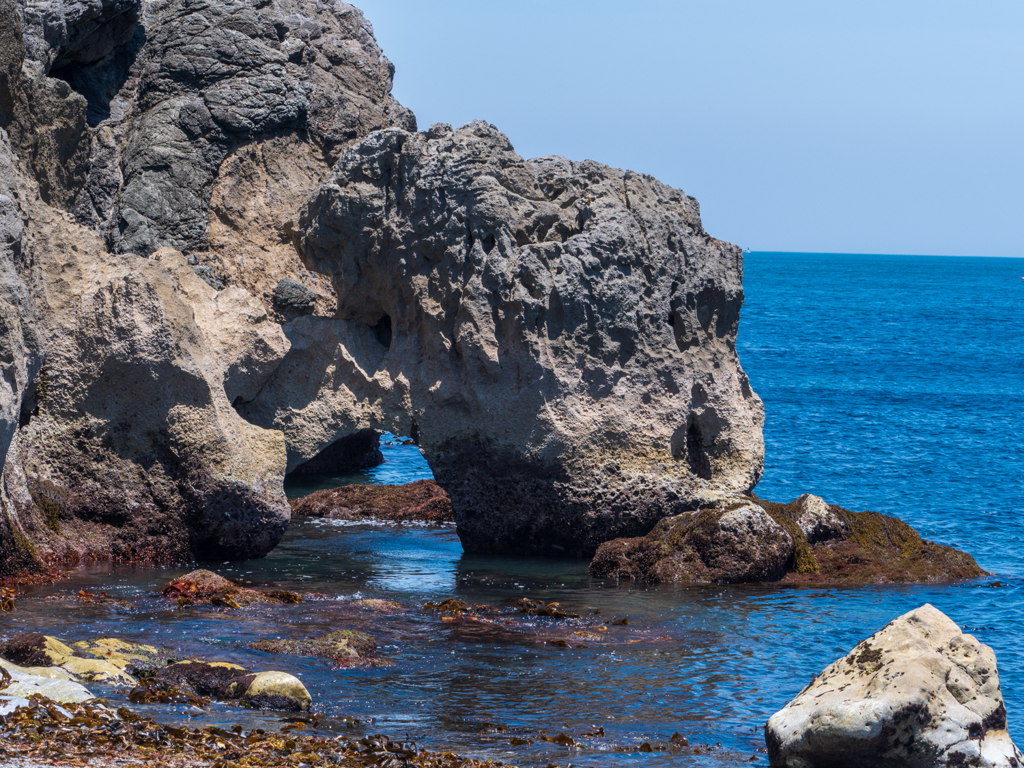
(917,694)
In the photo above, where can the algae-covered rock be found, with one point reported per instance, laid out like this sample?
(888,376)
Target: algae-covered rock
(735,543)
(807,540)
(916,694)
(346,647)
(423,500)
(120,653)
(227,681)
(35,650)
(202,587)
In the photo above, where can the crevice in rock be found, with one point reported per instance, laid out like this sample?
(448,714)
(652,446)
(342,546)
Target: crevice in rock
(382,330)
(101,81)
(687,443)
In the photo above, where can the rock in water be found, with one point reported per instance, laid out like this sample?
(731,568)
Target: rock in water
(558,337)
(423,501)
(917,694)
(223,680)
(115,144)
(750,539)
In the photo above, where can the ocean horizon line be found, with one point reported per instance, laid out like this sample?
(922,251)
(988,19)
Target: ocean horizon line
(859,253)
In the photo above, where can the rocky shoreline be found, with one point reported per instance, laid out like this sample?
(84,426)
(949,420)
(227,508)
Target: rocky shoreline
(917,693)
(228,255)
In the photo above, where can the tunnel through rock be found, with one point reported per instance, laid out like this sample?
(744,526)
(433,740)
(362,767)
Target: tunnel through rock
(351,453)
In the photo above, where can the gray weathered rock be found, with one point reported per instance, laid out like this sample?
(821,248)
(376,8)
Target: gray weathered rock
(818,521)
(559,336)
(124,443)
(63,32)
(54,687)
(917,694)
(291,295)
(213,75)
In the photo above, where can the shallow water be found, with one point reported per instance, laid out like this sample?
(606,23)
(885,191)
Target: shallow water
(891,384)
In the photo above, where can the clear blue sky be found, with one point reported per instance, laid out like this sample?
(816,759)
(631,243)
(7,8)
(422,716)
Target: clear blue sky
(806,125)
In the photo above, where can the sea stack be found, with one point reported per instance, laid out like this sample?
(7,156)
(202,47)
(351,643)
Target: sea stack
(227,250)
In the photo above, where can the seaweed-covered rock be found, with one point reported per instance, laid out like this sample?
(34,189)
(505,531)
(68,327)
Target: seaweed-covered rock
(916,694)
(202,587)
(423,500)
(752,539)
(345,647)
(735,543)
(226,681)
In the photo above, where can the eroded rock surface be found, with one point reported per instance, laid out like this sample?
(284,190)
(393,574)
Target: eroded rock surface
(129,132)
(559,337)
(917,694)
(226,254)
(753,540)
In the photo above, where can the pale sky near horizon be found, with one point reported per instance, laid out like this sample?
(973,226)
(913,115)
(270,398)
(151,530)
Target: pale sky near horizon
(799,125)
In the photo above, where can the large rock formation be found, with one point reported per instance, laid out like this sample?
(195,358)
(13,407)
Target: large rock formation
(193,302)
(558,336)
(121,363)
(916,694)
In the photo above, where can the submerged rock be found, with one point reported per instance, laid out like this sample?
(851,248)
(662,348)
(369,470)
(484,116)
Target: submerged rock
(345,647)
(917,694)
(751,539)
(423,501)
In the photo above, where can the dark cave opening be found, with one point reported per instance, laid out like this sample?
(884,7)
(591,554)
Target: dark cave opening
(382,330)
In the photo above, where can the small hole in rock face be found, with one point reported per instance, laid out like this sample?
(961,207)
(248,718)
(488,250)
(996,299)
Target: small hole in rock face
(382,330)
(489,243)
(672,318)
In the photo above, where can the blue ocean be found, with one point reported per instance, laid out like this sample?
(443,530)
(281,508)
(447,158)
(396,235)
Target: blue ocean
(891,383)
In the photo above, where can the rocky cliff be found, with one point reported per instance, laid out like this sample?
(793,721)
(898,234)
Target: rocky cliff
(224,249)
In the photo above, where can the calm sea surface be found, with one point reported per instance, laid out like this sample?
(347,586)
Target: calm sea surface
(891,383)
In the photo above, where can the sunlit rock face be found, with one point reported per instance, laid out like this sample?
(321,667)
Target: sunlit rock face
(151,156)
(558,336)
(224,249)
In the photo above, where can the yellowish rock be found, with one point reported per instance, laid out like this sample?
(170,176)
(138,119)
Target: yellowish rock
(96,671)
(277,690)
